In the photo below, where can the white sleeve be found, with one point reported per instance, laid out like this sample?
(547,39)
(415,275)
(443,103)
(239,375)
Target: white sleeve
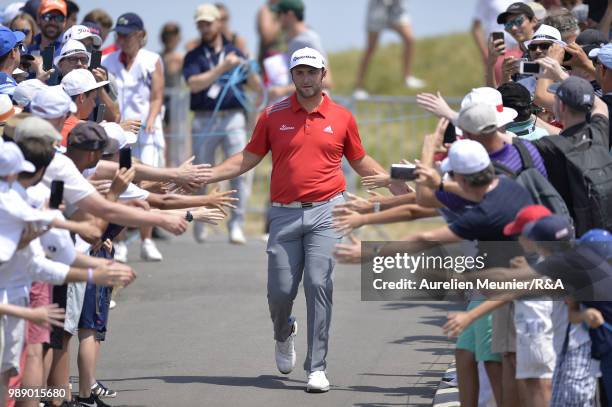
(479,12)
(45,270)
(76,187)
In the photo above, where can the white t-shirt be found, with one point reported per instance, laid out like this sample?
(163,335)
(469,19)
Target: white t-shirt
(76,187)
(487,11)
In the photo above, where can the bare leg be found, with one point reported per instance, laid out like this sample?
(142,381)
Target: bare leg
(86,360)
(405,32)
(366,58)
(467,378)
(494,372)
(509,388)
(59,374)
(33,372)
(536,392)
(4,381)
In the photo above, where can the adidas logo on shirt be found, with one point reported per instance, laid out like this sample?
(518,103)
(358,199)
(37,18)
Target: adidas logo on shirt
(328,129)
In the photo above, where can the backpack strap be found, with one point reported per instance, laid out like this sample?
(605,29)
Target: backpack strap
(502,169)
(526,158)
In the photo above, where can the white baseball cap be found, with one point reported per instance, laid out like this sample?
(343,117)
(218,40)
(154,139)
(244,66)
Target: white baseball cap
(492,97)
(25,91)
(72,47)
(80,81)
(6,108)
(52,102)
(307,56)
(58,246)
(12,160)
(207,12)
(546,33)
(115,132)
(466,157)
(35,127)
(81,32)
(478,118)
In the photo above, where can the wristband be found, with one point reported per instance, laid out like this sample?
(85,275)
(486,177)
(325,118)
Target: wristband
(376,207)
(188,216)
(441,186)
(90,275)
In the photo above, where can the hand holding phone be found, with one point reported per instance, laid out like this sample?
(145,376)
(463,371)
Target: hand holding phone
(95,60)
(98,113)
(57,194)
(404,172)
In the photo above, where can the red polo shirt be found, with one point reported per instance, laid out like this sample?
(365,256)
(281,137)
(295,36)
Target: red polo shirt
(307,149)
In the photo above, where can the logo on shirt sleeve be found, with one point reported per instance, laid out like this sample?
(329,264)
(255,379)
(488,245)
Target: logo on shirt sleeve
(328,129)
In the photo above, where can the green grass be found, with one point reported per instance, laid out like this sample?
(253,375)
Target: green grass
(449,63)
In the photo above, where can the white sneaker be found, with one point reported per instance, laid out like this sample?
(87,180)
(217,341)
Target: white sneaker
(415,83)
(121,251)
(200,232)
(284,352)
(236,235)
(360,94)
(317,382)
(149,252)
(112,304)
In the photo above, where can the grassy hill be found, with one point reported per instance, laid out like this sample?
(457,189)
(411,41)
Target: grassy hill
(449,63)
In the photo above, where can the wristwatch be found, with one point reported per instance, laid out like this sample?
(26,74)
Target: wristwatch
(188,216)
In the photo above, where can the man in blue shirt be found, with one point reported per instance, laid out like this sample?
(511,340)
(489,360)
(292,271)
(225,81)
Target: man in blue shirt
(218,119)
(10,57)
(51,19)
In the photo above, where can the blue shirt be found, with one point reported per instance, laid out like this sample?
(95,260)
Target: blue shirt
(7,84)
(202,59)
(34,48)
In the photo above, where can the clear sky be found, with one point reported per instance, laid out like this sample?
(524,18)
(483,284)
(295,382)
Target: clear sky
(339,22)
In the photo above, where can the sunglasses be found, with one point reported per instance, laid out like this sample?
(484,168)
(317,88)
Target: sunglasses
(516,22)
(58,18)
(542,45)
(76,60)
(21,48)
(25,31)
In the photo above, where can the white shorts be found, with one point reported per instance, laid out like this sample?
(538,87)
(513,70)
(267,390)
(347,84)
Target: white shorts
(386,14)
(535,353)
(74,305)
(13,336)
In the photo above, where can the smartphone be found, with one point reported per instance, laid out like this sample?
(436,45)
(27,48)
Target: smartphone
(47,56)
(57,194)
(95,60)
(98,112)
(497,35)
(404,172)
(125,158)
(450,135)
(529,68)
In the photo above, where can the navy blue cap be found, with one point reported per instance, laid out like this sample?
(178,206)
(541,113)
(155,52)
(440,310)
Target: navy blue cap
(551,228)
(128,23)
(8,39)
(31,7)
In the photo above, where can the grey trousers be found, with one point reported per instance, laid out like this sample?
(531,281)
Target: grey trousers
(301,244)
(229,131)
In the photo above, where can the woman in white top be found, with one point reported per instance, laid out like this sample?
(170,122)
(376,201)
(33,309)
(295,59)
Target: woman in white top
(140,91)
(140,83)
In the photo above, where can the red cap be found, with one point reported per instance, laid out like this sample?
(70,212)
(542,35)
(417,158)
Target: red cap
(526,215)
(47,6)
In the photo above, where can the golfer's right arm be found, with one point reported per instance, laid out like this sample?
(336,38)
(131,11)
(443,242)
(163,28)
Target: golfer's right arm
(234,166)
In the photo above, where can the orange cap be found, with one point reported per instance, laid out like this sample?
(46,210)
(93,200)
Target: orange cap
(47,6)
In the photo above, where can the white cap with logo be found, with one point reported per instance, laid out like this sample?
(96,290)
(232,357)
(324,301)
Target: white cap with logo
(307,56)
(52,102)
(12,160)
(80,81)
(81,32)
(466,157)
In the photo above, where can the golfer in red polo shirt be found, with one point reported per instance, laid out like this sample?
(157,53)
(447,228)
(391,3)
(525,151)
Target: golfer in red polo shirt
(308,135)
